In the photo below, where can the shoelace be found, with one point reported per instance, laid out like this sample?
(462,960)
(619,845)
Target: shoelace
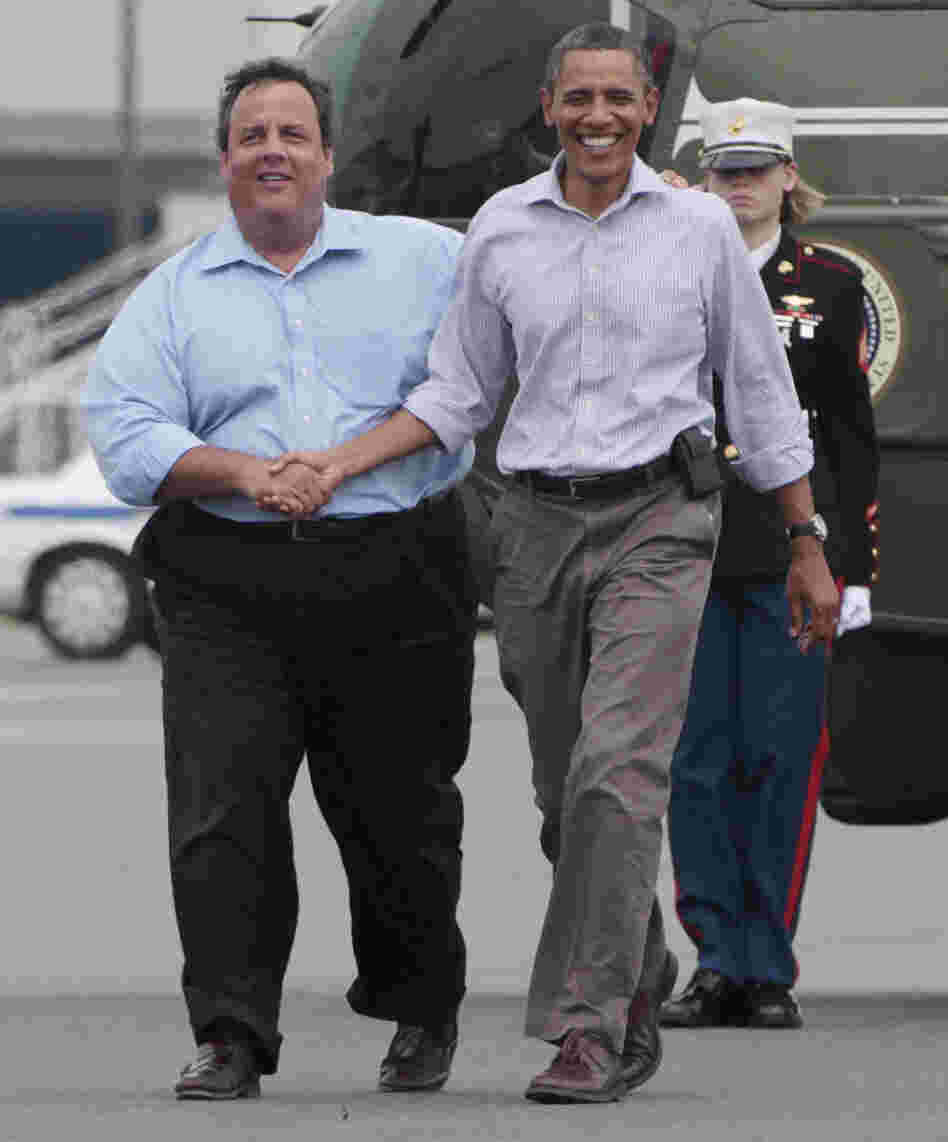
(210,1056)
(572,1049)
(406,1042)
(575,1048)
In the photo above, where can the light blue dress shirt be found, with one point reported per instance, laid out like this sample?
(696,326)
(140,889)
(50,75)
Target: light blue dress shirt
(217,346)
(614,326)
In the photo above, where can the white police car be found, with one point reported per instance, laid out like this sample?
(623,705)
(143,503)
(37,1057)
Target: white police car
(64,561)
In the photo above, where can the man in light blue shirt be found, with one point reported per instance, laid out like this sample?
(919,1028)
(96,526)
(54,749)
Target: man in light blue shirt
(295,625)
(614,299)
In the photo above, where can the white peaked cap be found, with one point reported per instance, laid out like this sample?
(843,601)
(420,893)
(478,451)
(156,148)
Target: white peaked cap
(746,133)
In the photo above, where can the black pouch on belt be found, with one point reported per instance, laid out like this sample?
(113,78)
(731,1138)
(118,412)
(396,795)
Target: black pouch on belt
(697,463)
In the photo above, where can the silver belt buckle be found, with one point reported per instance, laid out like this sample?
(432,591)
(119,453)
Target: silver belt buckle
(574,481)
(296,534)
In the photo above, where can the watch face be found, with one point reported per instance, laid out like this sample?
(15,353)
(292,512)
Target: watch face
(815,526)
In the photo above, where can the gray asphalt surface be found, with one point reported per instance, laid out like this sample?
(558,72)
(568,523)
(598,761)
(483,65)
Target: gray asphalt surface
(93,1031)
(865,1067)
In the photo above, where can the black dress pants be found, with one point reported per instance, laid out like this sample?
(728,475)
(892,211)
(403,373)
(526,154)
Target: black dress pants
(356,651)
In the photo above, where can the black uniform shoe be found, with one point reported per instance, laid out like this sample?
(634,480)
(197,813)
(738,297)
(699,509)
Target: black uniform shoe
(642,1050)
(772,1005)
(220,1071)
(418,1058)
(709,1000)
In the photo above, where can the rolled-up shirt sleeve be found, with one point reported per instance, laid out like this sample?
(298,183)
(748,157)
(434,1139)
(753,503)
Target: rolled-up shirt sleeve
(763,411)
(134,402)
(471,355)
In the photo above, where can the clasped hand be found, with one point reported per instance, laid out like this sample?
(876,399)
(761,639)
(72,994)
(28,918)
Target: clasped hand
(287,486)
(298,483)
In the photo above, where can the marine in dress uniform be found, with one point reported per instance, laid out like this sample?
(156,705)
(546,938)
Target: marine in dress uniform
(747,771)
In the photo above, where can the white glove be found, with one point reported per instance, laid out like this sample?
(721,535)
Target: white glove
(854,610)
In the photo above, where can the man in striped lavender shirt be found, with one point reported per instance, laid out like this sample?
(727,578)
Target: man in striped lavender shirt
(613,298)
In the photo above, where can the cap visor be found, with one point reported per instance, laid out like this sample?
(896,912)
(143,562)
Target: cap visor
(741,160)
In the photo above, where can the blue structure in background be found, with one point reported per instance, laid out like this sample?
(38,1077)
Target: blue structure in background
(41,247)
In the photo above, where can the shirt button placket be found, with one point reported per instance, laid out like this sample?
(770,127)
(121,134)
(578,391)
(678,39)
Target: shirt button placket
(592,287)
(303,363)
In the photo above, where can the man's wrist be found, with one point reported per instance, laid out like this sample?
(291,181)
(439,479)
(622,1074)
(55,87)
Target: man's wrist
(805,547)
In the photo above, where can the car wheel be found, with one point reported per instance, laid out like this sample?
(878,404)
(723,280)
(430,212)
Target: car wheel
(89,602)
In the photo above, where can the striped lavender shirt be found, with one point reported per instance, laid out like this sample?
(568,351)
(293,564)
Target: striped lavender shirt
(613,327)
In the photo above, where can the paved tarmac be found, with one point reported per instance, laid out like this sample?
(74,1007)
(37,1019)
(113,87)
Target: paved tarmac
(865,1068)
(93,1032)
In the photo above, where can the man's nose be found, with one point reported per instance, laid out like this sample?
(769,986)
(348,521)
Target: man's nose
(600,110)
(274,144)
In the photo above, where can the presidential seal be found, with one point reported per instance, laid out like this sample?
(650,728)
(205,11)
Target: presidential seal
(885,327)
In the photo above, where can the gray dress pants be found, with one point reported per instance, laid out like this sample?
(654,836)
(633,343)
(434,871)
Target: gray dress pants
(597,608)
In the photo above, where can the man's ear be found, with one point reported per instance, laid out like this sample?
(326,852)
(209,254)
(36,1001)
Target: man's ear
(330,159)
(546,102)
(652,99)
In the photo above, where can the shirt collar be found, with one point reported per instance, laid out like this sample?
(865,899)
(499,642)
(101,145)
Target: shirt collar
(762,255)
(642,180)
(339,230)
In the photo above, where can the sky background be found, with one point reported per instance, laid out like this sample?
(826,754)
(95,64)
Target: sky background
(65,56)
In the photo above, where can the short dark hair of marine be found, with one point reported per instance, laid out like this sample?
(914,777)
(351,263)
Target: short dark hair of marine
(272,70)
(595,37)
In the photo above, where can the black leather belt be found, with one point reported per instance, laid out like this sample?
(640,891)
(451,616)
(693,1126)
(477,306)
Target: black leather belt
(600,487)
(326,529)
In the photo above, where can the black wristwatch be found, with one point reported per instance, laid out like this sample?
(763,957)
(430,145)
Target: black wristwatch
(815,526)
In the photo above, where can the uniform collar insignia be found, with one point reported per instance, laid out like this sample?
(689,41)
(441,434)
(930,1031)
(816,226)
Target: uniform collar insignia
(795,301)
(785,267)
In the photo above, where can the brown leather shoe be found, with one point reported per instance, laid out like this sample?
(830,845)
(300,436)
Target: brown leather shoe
(418,1059)
(642,1051)
(709,1000)
(772,1005)
(586,1069)
(220,1071)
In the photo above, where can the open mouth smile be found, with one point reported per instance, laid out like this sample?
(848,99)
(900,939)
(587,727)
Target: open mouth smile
(598,144)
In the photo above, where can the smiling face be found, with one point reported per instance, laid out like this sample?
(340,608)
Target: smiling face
(755,194)
(275,166)
(599,106)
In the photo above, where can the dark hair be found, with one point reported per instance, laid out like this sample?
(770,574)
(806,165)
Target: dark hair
(272,70)
(596,37)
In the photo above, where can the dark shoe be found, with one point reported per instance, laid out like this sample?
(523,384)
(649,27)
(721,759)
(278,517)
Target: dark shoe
(586,1069)
(221,1070)
(709,1000)
(418,1059)
(642,1051)
(772,1005)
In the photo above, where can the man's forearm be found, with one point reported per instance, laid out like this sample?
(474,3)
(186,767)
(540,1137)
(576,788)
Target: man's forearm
(205,471)
(401,435)
(796,501)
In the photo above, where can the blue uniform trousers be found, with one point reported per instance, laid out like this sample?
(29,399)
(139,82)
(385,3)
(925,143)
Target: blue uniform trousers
(745,784)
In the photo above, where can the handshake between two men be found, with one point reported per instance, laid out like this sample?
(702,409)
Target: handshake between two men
(295,484)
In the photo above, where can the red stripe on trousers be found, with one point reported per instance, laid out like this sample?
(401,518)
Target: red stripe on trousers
(817,762)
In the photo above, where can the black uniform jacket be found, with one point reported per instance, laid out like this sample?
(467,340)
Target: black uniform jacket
(817,301)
